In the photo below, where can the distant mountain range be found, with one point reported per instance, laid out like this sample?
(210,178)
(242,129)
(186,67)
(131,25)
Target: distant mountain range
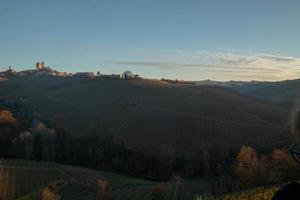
(281,93)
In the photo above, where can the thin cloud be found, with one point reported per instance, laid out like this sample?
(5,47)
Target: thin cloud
(260,66)
(279,58)
(163,64)
(208,67)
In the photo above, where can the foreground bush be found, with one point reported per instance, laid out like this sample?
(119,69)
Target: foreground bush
(7,118)
(103,192)
(49,194)
(254,194)
(158,193)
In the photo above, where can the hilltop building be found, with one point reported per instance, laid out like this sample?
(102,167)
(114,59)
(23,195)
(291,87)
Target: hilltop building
(127,75)
(41,69)
(40,66)
(8,72)
(130,75)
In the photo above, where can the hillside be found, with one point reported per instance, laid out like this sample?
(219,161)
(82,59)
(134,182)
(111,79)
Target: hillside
(279,93)
(149,113)
(282,93)
(22,177)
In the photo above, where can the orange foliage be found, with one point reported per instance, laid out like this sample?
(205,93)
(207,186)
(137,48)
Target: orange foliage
(248,165)
(276,168)
(279,155)
(103,192)
(158,193)
(7,118)
(284,168)
(49,194)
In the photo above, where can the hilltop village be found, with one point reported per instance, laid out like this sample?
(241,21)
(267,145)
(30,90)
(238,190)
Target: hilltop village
(42,69)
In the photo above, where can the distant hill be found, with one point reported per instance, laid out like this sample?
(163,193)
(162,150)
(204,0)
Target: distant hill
(146,114)
(281,93)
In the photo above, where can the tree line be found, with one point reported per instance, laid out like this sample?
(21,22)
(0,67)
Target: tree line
(27,138)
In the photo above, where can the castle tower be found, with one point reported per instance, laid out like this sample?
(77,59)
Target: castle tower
(40,66)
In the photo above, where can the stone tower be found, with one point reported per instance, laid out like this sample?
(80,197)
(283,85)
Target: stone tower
(40,66)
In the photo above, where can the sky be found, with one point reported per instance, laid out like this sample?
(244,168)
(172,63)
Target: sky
(177,39)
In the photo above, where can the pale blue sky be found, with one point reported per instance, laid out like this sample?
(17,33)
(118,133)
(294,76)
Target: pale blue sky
(187,39)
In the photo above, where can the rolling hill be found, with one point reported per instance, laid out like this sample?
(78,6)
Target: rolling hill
(146,114)
(282,93)
(279,93)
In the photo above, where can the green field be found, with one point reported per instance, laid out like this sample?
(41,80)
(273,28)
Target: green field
(148,113)
(22,177)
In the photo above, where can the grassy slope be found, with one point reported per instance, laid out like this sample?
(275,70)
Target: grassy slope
(146,113)
(21,177)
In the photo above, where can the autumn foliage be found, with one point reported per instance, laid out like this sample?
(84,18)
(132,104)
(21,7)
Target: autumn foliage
(103,192)
(247,165)
(49,194)
(158,193)
(253,169)
(7,118)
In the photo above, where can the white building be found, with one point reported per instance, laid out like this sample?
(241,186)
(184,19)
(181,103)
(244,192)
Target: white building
(127,75)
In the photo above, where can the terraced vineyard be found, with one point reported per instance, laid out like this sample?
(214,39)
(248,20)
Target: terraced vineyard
(22,177)
(192,118)
(145,114)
